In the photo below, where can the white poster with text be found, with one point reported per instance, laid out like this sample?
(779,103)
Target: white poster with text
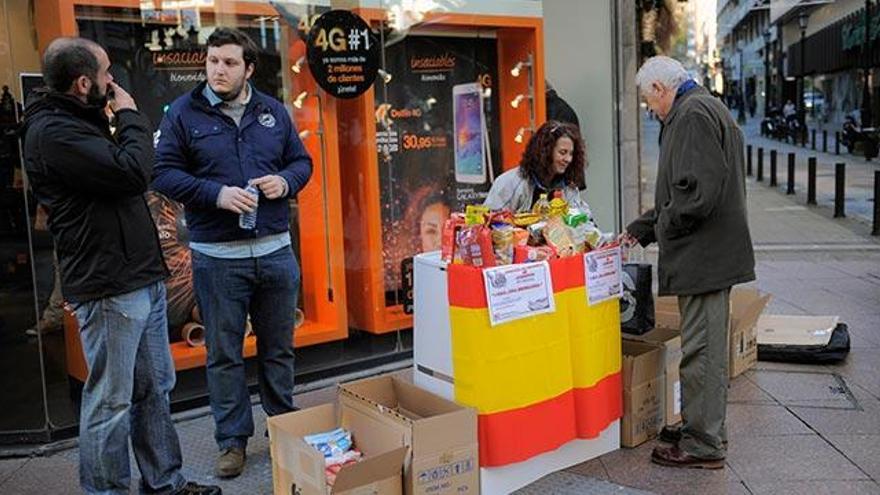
(518,291)
(602,270)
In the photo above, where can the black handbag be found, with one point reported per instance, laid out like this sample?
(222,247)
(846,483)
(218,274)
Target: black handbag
(637,303)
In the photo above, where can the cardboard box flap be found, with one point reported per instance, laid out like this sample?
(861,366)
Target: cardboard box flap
(666,314)
(659,335)
(747,306)
(446,432)
(378,389)
(435,424)
(306,421)
(371,435)
(293,460)
(796,330)
(400,399)
(642,362)
(418,403)
(370,470)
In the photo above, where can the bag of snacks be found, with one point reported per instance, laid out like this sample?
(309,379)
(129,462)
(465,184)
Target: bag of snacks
(502,243)
(476,214)
(475,245)
(451,227)
(525,219)
(520,236)
(528,254)
(536,233)
(558,236)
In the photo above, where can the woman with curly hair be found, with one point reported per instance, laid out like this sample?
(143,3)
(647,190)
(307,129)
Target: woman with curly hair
(554,160)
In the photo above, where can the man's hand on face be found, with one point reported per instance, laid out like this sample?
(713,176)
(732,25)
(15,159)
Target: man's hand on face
(273,186)
(236,199)
(121,99)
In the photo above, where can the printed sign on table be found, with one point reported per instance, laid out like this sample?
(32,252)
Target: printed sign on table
(518,291)
(602,270)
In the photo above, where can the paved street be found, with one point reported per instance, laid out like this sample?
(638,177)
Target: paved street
(859,171)
(793,428)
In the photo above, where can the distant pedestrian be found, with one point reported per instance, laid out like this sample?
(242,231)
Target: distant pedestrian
(789,110)
(699,221)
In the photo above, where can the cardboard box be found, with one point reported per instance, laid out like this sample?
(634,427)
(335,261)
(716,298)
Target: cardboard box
(670,340)
(442,435)
(298,468)
(642,392)
(746,306)
(814,331)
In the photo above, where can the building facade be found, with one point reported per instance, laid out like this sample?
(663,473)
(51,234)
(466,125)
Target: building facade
(742,27)
(835,56)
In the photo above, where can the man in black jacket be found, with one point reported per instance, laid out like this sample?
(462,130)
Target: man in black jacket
(557,108)
(112,271)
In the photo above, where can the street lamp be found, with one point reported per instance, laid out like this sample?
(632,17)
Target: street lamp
(803,18)
(766,71)
(867,55)
(741,118)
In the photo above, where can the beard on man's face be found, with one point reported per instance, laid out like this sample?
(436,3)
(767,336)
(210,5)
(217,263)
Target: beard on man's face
(96,97)
(233,93)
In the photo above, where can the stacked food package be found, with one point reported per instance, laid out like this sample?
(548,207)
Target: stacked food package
(553,229)
(338,449)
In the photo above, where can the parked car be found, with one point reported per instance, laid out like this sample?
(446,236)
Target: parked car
(814,102)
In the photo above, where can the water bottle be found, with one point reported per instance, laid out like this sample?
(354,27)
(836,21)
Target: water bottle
(248,221)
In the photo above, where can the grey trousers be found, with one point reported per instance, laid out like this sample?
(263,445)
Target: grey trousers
(704,377)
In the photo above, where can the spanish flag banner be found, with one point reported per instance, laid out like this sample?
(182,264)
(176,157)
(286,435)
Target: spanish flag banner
(540,381)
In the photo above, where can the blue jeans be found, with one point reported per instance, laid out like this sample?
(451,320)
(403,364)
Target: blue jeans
(125,343)
(227,290)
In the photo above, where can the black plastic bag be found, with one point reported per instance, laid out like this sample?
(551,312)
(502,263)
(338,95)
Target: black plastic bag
(637,303)
(834,351)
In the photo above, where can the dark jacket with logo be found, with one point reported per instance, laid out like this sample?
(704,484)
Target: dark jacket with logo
(699,219)
(93,185)
(199,150)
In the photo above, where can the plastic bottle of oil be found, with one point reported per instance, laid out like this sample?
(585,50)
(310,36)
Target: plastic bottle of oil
(542,207)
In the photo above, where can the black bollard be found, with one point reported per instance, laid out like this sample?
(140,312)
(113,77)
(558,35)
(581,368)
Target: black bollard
(813,138)
(839,189)
(824,141)
(790,187)
(749,160)
(811,181)
(773,168)
(760,164)
(876,229)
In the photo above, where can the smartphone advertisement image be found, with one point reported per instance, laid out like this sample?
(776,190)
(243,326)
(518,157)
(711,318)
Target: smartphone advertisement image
(437,120)
(470,158)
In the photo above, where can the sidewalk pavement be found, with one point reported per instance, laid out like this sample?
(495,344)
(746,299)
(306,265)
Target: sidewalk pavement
(859,172)
(793,428)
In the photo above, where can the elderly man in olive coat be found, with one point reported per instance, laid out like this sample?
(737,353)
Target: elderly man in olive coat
(699,222)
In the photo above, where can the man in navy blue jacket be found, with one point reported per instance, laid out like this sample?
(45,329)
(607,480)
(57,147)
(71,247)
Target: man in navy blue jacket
(211,144)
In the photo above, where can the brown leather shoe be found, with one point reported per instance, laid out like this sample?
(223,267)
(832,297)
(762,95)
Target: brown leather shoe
(230,463)
(675,457)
